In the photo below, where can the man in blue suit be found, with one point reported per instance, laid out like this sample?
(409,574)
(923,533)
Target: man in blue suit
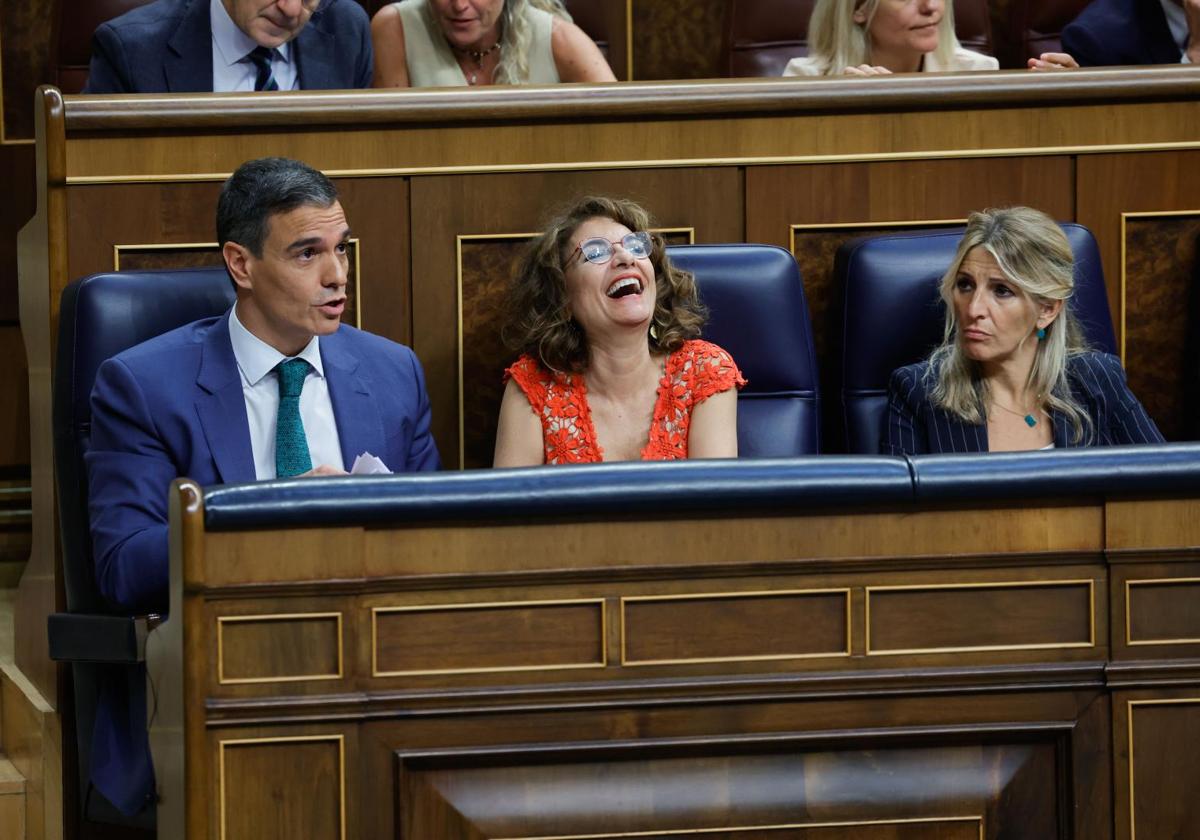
(196,46)
(1127,32)
(275,387)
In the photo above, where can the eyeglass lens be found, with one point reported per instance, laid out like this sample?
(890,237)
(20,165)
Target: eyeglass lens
(600,250)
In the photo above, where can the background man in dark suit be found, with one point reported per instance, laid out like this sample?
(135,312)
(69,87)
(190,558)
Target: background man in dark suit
(227,45)
(277,386)
(1118,32)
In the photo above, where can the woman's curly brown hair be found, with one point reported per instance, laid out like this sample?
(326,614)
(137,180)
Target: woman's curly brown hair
(538,323)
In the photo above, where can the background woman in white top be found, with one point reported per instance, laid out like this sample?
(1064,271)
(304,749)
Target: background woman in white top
(443,43)
(872,37)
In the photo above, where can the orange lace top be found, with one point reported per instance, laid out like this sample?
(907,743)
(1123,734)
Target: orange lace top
(692,374)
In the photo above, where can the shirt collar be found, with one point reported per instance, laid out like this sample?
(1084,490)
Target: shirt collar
(232,43)
(255,358)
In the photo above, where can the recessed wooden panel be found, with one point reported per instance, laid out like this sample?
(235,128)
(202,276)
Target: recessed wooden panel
(1161,293)
(1164,765)
(471,638)
(989,616)
(279,648)
(281,788)
(869,791)
(728,627)
(14,403)
(1163,611)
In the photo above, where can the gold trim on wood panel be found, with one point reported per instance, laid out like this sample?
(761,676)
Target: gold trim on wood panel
(909,223)
(699,596)
(197,246)
(1129,584)
(241,619)
(776,160)
(697,832)
(1038,584)
(1148,214)
(629,40)
(295,739)
(458,298)
(489,605)
(1173,701)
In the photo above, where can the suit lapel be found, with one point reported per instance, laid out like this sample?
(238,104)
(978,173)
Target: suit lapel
(316,56)
(222,408)
(359,424)
(188,66)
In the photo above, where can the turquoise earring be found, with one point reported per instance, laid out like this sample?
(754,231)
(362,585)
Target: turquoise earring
(1041,333)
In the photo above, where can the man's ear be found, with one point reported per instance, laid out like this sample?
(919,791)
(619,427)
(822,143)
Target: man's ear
(237,262)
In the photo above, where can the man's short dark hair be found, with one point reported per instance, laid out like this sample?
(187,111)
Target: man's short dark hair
(261,188)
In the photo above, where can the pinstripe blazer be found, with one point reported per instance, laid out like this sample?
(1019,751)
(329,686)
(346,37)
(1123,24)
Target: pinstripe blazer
(915,426)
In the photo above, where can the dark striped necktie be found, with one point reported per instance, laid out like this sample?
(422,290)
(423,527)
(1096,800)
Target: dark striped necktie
(261,57)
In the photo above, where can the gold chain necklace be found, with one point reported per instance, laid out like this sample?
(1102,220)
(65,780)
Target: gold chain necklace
(1028,417)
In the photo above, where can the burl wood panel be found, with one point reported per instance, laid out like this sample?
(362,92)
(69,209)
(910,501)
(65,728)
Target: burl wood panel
(814,209)
(713,627)
(268,649)
(1165,766)
(280,790)
(1162,320)
(498,637)
(952,617)
(467,209)
(488,264)
(17,173)
(679,40)
(24,51)
(1164,611)
(868,791)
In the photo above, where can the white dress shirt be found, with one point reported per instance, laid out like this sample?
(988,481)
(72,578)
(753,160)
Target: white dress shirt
(1178,24)
(231,69)
(256,361)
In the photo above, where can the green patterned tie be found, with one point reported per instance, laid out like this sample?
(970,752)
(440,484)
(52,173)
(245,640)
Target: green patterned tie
(291,446)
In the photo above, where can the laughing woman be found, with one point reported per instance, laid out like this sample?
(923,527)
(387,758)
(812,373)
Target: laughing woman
(612,367)
(1012,372)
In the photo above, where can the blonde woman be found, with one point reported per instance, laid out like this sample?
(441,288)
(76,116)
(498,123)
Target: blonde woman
(1012,372)
(448,43)
(879,37)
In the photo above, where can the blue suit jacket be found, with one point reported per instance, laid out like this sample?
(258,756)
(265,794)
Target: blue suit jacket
(1117,32)
(173,406)
(166,47)
(915,426)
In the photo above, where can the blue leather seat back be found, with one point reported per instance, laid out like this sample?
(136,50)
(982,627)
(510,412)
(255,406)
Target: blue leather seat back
(100,316)
(894,315)
(758,313)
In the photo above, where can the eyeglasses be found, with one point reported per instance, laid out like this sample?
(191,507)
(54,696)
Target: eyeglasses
(600,250)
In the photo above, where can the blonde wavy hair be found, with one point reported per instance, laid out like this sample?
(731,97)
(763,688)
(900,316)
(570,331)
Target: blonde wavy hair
(1036,258)
(837,42)
(516,36)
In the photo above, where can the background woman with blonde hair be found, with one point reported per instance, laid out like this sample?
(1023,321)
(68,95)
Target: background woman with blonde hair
(873,37)
(1012,371)
(448,43)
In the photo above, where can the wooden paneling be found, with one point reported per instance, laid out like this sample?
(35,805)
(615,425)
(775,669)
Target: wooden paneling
(282,788)
(684,39)
(778,791)
(1161,763)
(279,648)
(991,616)
(1164,611)
(731,627)
(14,408)
(462,638)
(474,209)
(1137,525)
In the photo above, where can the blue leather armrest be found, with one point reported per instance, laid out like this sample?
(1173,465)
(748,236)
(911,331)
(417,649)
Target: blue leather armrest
(533,492)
